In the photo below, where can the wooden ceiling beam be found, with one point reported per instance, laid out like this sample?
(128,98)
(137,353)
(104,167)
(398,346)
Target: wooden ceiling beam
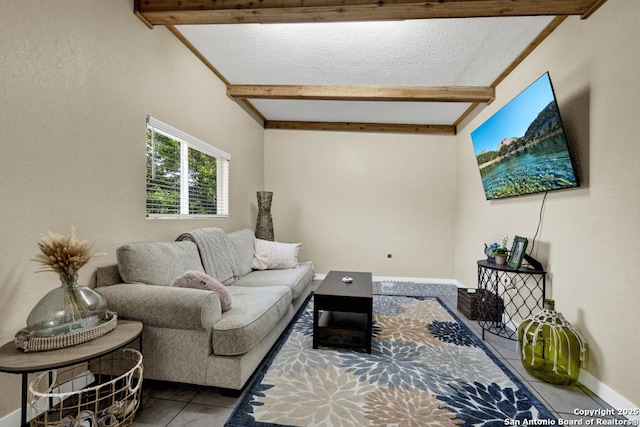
(363,93)
(185,12)
(362,127)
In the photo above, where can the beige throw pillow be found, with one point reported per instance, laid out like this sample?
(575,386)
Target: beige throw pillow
(198,280)
(275,255)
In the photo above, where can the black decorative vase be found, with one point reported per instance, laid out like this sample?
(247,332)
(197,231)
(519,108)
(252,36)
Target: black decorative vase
(264,223)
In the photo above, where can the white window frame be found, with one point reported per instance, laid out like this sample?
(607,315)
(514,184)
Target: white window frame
(222,170)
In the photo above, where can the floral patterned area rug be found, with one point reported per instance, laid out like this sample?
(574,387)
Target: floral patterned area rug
(426,368)
(412,288)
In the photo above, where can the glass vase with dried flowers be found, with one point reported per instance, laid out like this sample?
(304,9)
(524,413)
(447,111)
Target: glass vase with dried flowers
(69,308)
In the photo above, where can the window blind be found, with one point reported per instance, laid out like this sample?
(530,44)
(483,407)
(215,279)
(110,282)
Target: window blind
(186,177)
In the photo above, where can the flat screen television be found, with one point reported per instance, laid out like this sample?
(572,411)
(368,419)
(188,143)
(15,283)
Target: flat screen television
(522,148)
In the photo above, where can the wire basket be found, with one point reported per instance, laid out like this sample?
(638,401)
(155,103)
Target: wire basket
(105,392)
(490,306)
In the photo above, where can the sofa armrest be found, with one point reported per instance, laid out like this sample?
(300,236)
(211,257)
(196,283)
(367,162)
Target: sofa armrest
(164,306)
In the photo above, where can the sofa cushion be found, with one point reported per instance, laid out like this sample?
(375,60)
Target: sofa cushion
(243,243)
(275,255)
(255,312)
(198,280)
(157,263)
(296,278)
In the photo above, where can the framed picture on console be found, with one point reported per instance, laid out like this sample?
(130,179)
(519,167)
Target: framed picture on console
(517,252)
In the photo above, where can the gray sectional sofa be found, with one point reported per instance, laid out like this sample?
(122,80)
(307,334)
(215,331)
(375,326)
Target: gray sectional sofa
(186,336)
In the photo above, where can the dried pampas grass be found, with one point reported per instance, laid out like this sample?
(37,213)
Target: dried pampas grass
(64,254)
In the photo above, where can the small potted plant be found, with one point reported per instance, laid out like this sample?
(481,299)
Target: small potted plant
(500,253)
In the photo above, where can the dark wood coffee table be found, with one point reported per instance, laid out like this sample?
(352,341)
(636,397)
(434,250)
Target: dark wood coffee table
(347,311)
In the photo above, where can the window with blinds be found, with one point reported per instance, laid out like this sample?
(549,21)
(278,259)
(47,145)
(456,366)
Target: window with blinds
(186,177)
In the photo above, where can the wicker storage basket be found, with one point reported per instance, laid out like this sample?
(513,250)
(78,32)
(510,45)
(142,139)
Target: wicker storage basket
(104,393)
(468,303)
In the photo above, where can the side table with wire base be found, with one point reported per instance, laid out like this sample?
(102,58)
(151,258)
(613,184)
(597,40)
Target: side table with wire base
(16,361)
(507,296)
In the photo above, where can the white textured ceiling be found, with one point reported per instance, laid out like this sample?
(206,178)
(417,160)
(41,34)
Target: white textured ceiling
(423,113)
(431,52)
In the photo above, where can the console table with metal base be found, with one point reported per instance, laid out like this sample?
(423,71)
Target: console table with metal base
(507,296)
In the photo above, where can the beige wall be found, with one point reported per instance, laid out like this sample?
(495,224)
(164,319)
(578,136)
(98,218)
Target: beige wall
(589,238)
(77,79)
(351,198)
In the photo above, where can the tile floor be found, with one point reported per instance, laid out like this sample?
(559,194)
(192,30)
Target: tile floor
(174,405)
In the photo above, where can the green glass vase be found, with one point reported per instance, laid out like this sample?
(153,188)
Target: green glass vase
(551,349)
(67,309)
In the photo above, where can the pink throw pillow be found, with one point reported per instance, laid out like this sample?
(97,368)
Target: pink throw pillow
(198,280)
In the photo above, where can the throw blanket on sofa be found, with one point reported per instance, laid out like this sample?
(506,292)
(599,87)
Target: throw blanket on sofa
(216,251)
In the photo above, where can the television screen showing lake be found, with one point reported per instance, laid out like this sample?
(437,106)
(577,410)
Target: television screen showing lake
(543,167)
(522,148)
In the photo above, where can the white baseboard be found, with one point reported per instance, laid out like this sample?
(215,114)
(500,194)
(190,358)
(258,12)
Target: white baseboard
(609,395)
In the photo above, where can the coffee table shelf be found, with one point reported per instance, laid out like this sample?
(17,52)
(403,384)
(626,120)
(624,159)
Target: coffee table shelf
(337,328)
